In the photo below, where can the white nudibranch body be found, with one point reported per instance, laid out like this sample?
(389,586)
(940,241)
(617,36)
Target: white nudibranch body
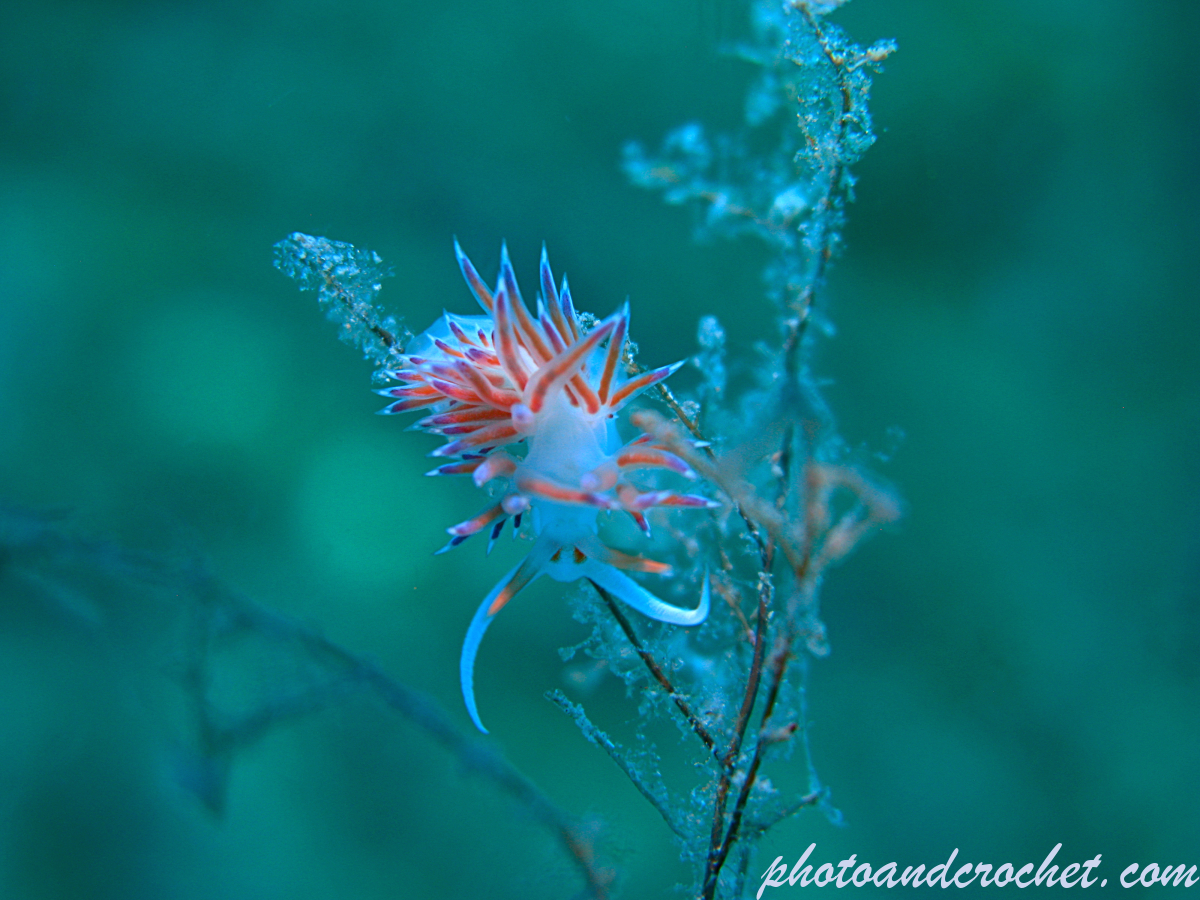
(495,382)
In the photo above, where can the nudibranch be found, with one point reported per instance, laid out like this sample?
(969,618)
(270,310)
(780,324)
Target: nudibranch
(529,401)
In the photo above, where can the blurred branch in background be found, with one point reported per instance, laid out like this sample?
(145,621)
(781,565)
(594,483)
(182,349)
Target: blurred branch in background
(228,713)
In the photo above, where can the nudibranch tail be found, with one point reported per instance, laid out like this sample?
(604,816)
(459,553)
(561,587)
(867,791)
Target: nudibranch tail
(522,574)
(526,402)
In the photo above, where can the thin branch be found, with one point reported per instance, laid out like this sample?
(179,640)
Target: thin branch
(656,671)
(766,593)
(656,794)
(812,798)
(716,860)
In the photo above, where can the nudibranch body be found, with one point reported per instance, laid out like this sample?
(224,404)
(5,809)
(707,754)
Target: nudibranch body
(508,381)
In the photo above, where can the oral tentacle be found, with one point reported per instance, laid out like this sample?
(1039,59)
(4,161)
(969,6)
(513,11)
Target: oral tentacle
(522,574)
(634,595)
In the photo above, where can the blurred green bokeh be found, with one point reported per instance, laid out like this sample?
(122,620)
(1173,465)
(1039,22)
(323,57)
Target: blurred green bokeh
(1015,665)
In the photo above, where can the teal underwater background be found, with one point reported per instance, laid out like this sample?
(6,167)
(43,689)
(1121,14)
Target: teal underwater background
(1016,664)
